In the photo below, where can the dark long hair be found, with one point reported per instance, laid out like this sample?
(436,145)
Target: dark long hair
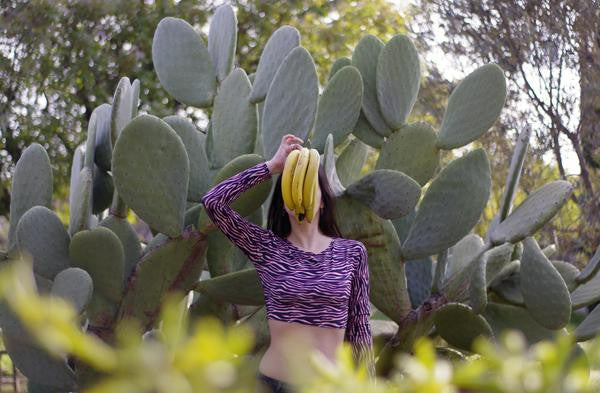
(279,221)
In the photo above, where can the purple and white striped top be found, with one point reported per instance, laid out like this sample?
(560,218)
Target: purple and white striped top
(328,289)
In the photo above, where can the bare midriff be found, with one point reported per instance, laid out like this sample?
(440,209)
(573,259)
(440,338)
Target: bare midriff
(287,357)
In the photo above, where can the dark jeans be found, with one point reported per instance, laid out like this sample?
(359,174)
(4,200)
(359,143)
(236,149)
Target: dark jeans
(273,385)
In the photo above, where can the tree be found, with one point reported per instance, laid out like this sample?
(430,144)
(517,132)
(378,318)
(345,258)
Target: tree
(551,52)
(61,59)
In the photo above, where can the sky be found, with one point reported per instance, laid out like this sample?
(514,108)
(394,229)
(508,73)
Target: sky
(455,68)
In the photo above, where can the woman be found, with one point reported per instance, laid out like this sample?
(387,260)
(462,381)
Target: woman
(316,283)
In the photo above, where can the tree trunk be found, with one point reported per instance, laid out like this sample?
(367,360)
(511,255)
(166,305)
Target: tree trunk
(589,126)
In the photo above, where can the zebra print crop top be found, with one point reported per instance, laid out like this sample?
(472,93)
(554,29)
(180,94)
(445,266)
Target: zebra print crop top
(328,289)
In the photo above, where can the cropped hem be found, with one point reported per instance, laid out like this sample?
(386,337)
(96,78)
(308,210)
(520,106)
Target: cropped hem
(294,320)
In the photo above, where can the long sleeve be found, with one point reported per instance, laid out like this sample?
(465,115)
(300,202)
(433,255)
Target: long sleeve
(358,329)
(246,235)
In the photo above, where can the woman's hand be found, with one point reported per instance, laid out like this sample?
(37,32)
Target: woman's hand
(289,142)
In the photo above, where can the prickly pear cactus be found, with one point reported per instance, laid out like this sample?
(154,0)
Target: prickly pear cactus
(428,271)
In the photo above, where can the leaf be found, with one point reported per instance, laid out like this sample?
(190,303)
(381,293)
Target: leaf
(338,64)
(240,287)
(42,234)
(590,326)
(366,133)
(74,285)
(397,77)
(338,107)
(351,160)
(279,45)
(533,213)
(31,186)
(390,294)
(99,252)
(182,63)
(365,58)
(234,121)
(544,291)
(514,172)
(222,39)
(460,326)
(389,193)
(121,109)
(291,102)
(81,209)
(473,107)
(451,206)
(151,172)
(504,316)
(193,142)
(411,150)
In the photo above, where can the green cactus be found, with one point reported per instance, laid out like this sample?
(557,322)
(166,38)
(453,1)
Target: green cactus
(31,186)
(411,150)
(338,107)
(365,58)
(473,107)
(544,291)
(397,80)
(459,325)
(234,122)
(194,142)
(151,172)
(278,46)
(222,40)
(191,77)
(350,162)
(338,65)
(429,273)
(291,102)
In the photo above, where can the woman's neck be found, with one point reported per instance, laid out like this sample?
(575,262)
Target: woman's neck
(307,240)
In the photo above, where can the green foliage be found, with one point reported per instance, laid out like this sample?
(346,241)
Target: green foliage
(182,357)
(338,107)
(365,58)
(151,162)
(191,79)
(234,124)
(398,75)
(104,40)
(389,193)
(473,106)
(451,206)
(411,150)
(290,113)
(29,191)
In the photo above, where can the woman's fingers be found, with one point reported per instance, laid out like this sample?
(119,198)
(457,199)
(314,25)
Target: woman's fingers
(288,136)
(291,147)
(291,141)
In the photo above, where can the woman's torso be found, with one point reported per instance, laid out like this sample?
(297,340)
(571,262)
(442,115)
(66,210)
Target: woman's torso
(291,345)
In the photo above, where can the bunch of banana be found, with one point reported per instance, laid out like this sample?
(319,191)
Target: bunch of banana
(299,182)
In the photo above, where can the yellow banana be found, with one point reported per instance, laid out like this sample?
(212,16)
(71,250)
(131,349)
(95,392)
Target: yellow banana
(315,196)
(311,204)
(286,179)
(298,182)
(311,181)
